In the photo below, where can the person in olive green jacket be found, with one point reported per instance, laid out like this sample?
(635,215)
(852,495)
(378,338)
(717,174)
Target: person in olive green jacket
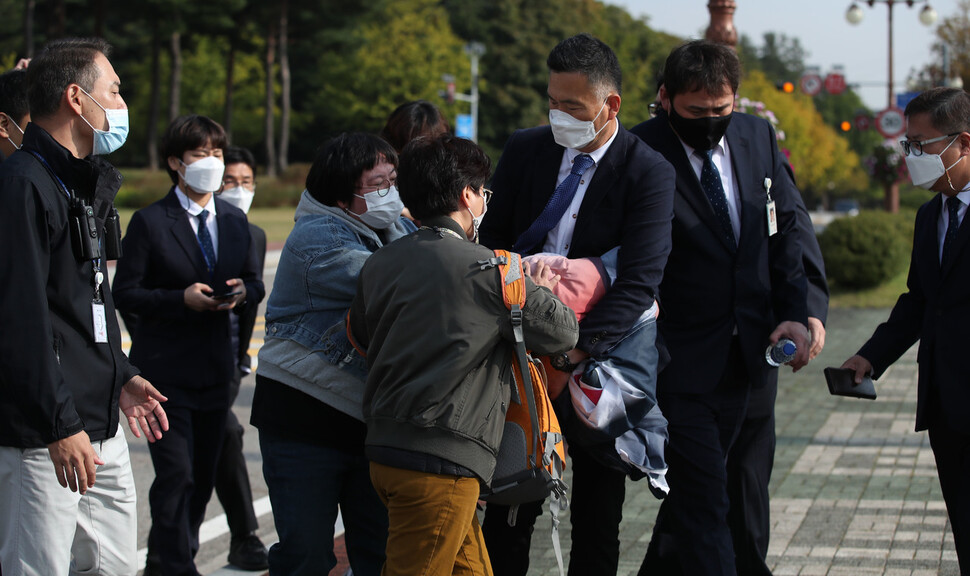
(438,339)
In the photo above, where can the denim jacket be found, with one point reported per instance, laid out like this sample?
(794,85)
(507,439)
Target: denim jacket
(306,343)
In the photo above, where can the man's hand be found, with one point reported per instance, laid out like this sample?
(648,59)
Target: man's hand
(860,366)
(196,298)
(797,333)
(817,330)
(234,285)
(140,402)
(74,461)
(543,275)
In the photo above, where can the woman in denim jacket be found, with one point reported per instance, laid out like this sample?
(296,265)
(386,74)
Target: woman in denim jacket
(309,380)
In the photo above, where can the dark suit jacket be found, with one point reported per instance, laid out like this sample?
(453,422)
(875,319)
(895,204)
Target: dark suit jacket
(710,287)
(628,203)
(179,347)
(936,311)
(247,319)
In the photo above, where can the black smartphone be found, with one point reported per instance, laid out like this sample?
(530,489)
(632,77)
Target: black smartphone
(225,295)
(841,382)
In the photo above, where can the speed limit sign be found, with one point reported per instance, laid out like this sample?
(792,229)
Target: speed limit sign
(891,122)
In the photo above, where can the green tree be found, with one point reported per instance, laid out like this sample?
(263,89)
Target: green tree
(398,53)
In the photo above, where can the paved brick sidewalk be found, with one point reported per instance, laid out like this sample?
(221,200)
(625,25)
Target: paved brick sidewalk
(854,489)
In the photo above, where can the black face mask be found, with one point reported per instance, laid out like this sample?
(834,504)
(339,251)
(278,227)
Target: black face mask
(699,133)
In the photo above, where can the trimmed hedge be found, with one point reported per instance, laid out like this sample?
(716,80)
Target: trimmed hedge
(866,250)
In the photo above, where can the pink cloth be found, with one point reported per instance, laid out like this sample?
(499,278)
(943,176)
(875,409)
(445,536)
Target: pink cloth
(583,280)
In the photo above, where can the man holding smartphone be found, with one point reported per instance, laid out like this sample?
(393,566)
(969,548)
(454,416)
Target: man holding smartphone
(187,266)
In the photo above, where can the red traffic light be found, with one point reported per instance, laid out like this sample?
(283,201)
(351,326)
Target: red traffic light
(787,86)
(845,125)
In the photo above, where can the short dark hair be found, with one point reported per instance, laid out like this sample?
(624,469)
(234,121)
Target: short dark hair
(336,170)
(413,119)
(239,155)
(60,64)
(590,57)
(188,133)
(949,109)
(701,65)
(13,95)
(434,171)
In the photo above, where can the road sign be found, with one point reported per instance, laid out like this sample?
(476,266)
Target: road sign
(811,84)
(862,122)
(835,82)
(903,99)
(463,126)
(890,122)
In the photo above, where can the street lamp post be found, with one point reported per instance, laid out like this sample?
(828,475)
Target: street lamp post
(927,17)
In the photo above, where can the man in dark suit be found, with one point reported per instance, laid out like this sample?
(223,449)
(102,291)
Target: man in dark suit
(733,284)
(246,550)
(752,456)
(183,273)
(934,308)
(621,195)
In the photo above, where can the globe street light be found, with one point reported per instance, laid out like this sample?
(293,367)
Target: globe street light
(927,17)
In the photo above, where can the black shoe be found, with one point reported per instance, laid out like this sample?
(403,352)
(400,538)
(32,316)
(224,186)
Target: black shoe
(248,553)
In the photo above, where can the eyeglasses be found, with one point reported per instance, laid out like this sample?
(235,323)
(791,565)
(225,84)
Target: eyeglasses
(382,189)
(487,194)
(915,147)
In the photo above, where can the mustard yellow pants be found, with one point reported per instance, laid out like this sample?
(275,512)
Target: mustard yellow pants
(432,526)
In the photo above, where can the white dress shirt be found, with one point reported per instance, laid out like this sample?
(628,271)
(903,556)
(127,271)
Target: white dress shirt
(193,210)
(944,221)
(560,238)
(722,161)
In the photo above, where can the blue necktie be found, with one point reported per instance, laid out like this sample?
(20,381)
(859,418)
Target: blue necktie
(953,225)
(555,207)
(205,241)
(711,183)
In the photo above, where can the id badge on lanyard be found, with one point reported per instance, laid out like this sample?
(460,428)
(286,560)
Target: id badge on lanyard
(770,209)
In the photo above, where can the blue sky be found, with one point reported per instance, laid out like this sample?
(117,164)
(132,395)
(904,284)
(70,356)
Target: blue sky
(825,34)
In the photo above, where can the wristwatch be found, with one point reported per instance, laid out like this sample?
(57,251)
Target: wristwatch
(562,363)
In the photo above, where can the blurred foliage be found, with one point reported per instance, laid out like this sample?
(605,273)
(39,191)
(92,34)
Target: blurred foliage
(866,250)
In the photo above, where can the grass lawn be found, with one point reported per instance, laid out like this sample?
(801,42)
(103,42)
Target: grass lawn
(277,222)
(883,296)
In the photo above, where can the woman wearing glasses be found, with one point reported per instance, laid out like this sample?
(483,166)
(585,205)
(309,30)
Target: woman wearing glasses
(309,380)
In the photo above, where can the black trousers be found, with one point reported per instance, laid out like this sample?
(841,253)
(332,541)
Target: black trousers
(232,478)
(749,466)
(951,449)
(185,466)
(595,511)
(691,536)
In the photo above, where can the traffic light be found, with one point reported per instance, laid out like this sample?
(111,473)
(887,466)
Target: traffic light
(448,94)
(787,86)
(845,125)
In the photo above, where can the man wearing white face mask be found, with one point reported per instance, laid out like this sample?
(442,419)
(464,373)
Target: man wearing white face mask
(934,308)
(67,495)
(579,188)
(187,265)
(14,111)
(246,550)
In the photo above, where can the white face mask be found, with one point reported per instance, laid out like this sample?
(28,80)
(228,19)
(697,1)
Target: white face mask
(19,129)
(477,220)
(382,211)
(926,169)
(572,133)
(239,197)
(204,176)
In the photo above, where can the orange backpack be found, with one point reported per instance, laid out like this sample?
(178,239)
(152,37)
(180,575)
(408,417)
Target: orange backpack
(531,458)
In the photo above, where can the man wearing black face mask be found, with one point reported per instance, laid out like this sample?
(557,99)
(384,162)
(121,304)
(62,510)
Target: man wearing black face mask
(733,284)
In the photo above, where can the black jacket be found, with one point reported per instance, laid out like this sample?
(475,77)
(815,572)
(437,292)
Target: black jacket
(55,380)
(178,348)
(629,203)
(711,289)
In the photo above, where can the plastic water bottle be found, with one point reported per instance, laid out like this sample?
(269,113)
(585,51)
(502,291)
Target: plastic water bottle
(779,353)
